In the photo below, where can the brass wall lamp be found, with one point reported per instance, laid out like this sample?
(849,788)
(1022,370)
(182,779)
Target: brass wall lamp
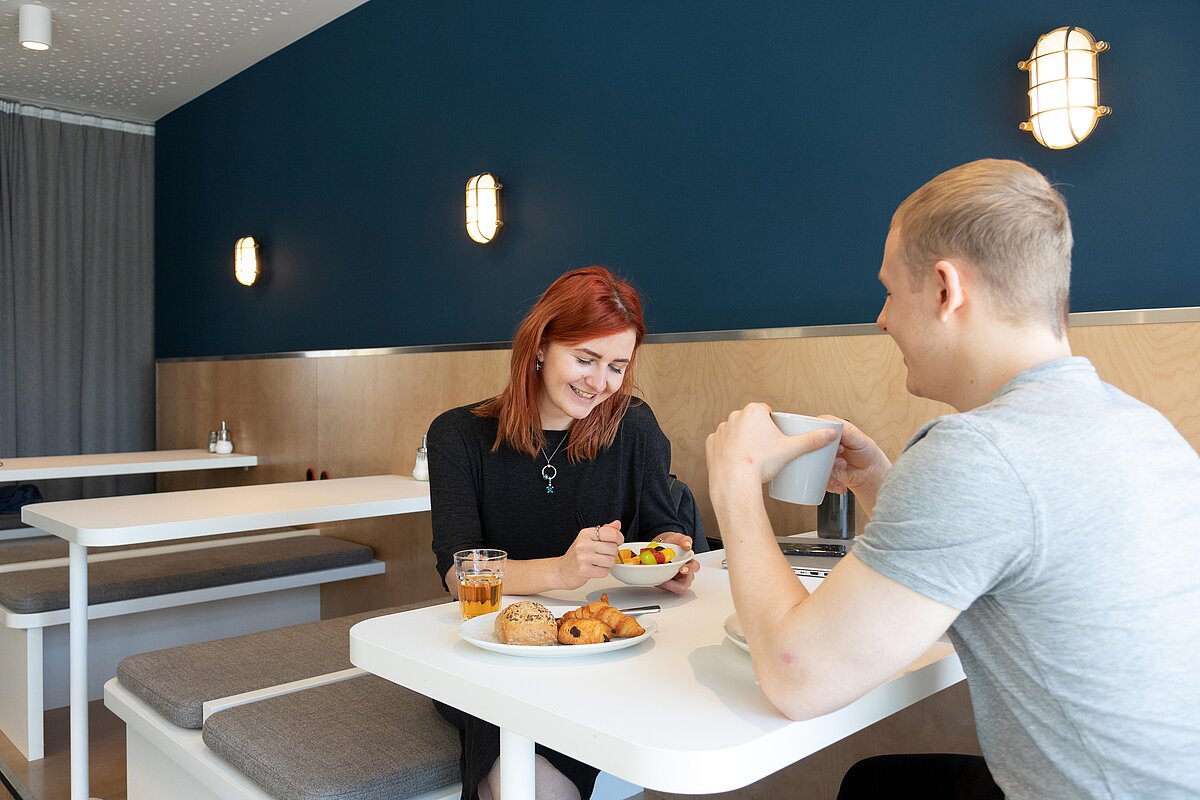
(1064,87)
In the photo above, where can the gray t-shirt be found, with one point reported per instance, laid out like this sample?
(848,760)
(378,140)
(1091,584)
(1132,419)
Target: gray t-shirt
(1063,519)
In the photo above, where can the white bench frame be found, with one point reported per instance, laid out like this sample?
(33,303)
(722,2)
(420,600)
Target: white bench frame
(34,647)
(164,760)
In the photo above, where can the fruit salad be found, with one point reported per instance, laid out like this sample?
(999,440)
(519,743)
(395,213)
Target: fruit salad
(656,554)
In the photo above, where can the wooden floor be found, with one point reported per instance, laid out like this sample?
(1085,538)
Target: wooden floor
(50,778)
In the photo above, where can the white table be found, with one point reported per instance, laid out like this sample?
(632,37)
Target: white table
(102,464)
(681,713)
(134,519)
(91,465)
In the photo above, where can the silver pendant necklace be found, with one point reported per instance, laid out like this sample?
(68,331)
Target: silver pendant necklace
(548,471)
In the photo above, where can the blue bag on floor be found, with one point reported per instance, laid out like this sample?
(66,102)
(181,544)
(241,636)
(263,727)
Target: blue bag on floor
(13,497)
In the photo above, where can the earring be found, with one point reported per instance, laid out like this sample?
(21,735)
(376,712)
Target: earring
(537,365)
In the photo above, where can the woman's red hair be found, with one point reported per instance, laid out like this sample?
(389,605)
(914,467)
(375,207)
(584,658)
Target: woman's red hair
(583,304)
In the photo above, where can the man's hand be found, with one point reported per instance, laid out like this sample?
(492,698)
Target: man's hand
(748,449)
(860,466)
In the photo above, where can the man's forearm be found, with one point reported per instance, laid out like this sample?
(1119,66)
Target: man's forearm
(764,586)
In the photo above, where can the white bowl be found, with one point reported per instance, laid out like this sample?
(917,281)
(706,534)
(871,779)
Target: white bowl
(650,574)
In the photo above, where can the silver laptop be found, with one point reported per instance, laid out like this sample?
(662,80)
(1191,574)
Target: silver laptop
(799,555)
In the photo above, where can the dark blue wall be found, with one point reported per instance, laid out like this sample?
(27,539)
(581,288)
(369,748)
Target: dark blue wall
(738,161)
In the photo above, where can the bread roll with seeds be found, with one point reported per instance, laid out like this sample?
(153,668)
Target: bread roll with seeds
(526,623)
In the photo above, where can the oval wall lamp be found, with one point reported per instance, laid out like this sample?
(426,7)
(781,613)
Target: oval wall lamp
(245,260)
(35,28)
(1064,88)
(483,207)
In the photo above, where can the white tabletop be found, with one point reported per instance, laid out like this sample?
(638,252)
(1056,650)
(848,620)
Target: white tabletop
(95,464)
(680,713)
(133,519)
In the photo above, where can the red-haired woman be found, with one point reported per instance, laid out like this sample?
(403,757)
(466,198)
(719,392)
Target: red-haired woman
(558,470)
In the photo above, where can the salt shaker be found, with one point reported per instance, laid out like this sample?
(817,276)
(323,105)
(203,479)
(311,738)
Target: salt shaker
(421,467)
(224,445)
(212,441)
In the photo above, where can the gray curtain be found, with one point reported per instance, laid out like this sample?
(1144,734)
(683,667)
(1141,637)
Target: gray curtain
(76,291)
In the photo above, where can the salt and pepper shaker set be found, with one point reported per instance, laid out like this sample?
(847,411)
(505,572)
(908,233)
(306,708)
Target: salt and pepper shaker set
(219,441)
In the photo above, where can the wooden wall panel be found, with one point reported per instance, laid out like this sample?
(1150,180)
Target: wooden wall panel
(363,415)
(270,406)
(1158,364)
(373,412)
(693,387)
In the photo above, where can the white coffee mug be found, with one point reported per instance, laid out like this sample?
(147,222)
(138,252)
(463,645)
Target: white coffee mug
(803,480)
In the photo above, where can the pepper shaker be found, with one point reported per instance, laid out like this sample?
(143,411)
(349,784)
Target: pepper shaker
(212,441)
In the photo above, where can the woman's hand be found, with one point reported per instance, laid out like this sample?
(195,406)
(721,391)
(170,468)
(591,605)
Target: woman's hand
(591,555)
(687,573)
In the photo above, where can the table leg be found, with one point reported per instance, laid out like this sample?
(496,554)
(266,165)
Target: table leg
(78,596)
(516,767)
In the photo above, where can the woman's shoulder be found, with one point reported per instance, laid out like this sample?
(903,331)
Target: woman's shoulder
(463,421)
(639,419)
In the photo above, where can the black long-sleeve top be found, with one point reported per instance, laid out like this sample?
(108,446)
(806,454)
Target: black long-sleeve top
(485,499)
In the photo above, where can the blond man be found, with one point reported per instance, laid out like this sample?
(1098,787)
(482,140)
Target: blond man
(1052,527)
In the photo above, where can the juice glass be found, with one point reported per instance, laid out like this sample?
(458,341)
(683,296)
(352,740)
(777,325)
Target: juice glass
(480,574)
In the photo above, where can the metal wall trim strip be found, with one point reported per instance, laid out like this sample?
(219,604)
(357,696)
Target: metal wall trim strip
(1082,319)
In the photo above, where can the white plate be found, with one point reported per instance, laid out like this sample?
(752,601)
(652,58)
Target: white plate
(733,632)
(480,631)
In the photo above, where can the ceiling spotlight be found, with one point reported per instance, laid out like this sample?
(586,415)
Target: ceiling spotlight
(35,27)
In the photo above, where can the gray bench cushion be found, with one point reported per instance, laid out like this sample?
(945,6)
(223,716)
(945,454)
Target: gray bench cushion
(32,549)
(37,590)
(10,522)
(177,681)
(38,546)
(360,739)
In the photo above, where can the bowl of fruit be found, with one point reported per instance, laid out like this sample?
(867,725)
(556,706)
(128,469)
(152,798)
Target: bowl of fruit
(649,563)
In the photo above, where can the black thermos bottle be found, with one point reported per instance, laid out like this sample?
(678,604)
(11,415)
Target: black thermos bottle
(835,516)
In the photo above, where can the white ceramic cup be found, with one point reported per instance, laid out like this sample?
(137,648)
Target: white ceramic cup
(803,481)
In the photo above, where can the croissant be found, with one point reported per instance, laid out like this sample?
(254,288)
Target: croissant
(623,626)
(584,631)
(586,612)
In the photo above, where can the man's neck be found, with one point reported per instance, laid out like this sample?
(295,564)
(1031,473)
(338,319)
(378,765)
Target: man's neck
(995,358)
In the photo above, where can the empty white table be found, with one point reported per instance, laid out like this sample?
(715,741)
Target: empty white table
(135,519)
(679,713)
(102,464)
(91,465)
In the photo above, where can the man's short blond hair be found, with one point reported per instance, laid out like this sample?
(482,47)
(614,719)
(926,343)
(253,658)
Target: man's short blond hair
(1008,223)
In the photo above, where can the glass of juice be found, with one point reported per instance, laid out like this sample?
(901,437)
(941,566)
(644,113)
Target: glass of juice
(480,573)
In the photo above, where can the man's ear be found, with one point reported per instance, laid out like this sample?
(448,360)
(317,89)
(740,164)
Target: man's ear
(951,297)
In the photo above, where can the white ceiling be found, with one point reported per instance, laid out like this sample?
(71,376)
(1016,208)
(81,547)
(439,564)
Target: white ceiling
(140,59)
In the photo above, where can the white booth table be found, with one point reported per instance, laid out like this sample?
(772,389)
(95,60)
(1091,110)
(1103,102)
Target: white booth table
(92,465)
(103,464)
(136,519)
(679,713)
